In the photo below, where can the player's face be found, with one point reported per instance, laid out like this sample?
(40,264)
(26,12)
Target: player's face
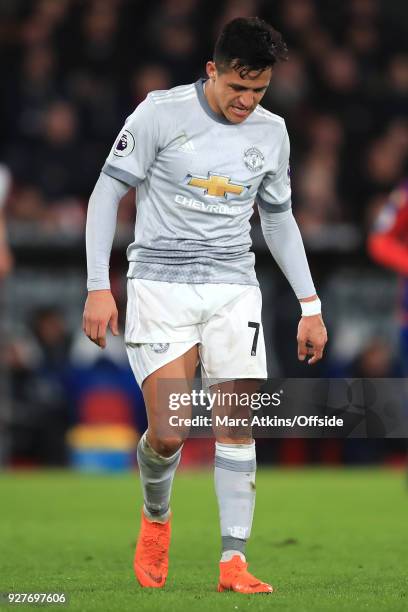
(236,98)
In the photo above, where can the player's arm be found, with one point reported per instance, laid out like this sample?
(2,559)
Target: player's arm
(100,308)
(285,243)
(6,258)
(126,166)
(283,238)
(388,251)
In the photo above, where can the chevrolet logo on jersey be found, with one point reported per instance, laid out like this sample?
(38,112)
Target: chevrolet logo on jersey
(215,185)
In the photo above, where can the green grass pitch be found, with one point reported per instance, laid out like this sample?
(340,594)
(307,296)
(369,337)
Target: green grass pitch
(327,540)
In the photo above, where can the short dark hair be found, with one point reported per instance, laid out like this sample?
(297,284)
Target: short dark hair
(248,44)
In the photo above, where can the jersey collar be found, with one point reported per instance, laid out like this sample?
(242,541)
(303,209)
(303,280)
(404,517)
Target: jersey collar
(199,85)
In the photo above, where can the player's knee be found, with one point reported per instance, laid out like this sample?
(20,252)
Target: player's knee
(166,446)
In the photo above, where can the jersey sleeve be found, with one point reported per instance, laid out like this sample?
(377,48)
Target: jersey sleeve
(283,238)
(136,146)
(274,193)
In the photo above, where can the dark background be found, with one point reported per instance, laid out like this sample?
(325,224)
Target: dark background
(71,72)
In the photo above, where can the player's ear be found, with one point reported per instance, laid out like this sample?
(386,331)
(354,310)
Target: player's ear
(211,70)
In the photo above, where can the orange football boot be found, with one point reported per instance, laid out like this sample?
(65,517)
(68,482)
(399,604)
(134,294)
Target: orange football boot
(151,560)
(235,577)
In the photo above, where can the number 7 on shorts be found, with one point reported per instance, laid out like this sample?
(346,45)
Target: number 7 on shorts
(256,334)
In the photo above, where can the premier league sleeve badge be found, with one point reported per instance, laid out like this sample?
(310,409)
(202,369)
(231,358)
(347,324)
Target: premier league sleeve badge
(124,145)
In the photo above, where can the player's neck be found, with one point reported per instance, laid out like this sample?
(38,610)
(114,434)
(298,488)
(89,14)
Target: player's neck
(210,96)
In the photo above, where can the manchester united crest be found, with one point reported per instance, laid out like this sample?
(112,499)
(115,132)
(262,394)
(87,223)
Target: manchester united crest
(254,160)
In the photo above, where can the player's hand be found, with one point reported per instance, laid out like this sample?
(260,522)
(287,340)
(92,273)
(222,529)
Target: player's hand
(311,338)
(99,312)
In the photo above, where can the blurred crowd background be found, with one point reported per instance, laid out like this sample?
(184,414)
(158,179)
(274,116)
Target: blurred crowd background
(72,70)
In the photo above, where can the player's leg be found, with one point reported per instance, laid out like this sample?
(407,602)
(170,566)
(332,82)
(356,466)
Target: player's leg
(233,347)
(158,456)
(161,337)
(235,466)
(159,449)
(234,477)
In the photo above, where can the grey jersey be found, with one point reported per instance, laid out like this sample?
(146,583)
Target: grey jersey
(197,176)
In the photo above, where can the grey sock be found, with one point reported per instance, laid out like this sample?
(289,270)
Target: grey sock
(235,467)
(156,477)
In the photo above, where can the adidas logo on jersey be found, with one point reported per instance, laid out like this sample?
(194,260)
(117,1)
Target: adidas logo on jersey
(187,147)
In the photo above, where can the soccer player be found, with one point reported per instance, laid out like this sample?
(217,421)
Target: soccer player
(199,155)
(388,246)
